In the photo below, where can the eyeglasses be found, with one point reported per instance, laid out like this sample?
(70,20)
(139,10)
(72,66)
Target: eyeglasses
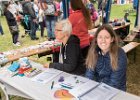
(58,30)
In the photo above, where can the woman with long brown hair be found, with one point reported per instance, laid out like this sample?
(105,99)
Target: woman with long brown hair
(81,22)
(106,61)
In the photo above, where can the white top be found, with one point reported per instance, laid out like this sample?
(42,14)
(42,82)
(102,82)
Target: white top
(36,9)
(41,15)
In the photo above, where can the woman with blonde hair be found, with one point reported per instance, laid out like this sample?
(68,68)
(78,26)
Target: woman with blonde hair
(106,61)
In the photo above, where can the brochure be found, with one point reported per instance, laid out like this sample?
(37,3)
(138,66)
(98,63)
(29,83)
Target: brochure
(46,75)
(94,91)
(83,88)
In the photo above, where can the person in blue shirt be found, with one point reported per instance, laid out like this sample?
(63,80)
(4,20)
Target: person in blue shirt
(106,62)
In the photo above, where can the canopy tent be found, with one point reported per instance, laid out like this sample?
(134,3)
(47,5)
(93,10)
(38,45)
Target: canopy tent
(107,10)
(135,4)
(138,13)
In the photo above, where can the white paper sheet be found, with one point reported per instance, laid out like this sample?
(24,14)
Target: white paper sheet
(46,75)
(101,92)
(71,82)
(82,89)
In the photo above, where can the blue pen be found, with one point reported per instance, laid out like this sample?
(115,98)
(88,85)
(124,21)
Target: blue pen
(52,85)
(66,86)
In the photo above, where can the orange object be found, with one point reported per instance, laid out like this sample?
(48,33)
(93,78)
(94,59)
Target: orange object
(63,94)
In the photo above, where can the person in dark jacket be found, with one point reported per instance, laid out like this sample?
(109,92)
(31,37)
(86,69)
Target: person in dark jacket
(11,20)
(106,61)
(29,12)
(126,17)
(70,59)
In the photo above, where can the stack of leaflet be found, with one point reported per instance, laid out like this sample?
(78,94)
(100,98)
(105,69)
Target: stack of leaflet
(46,75)
(94,91)
(85,89)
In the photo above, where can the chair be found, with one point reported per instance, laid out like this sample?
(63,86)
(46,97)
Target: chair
(3,92)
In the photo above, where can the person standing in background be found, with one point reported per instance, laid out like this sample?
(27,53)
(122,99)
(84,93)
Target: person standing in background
(11,20)
(18,6)
(13,8)
(61,11)
(81,22)
(29,11)
(50,16)
(36,7)
(1,30)
(126,17)
(41,19)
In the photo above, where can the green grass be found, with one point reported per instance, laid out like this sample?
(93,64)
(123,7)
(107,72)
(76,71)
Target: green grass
(118,11)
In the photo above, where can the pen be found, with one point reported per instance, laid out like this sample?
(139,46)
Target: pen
(52,85)
(66,86)
(14,74)
(106,87)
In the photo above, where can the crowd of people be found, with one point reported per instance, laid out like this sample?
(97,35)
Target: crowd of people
(39,14)
(101,60)
(32,16)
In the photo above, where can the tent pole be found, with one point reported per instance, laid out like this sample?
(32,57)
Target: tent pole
(65,4)
(138,13)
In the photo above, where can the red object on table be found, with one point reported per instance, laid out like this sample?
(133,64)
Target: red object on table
(22,70)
